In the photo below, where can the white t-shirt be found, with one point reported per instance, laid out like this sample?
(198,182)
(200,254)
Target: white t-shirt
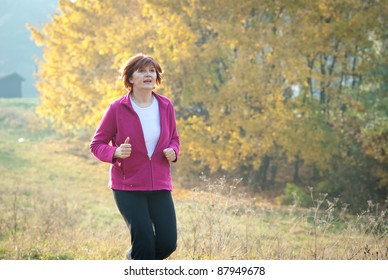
(150,122)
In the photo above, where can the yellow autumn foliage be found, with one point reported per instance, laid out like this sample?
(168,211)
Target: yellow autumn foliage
(252,81)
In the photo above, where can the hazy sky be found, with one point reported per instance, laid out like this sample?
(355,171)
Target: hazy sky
(17,51)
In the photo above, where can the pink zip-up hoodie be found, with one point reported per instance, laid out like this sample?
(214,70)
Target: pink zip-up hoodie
(138,172)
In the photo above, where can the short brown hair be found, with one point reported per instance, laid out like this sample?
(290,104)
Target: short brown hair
(134,63)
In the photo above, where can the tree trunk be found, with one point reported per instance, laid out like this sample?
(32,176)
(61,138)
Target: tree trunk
(296,170)
(263,172)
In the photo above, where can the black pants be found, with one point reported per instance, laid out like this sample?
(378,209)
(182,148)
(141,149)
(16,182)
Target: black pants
(150,216)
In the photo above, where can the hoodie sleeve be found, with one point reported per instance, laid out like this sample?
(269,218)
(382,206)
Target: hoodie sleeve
(104,134)
(174,142)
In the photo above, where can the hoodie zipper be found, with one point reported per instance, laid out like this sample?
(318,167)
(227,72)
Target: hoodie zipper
(152,176)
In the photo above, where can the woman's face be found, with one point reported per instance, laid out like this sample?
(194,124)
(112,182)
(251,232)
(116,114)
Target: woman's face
(144,78)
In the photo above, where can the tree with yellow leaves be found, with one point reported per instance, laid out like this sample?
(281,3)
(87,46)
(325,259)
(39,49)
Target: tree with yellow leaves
(272,91)
(84,46)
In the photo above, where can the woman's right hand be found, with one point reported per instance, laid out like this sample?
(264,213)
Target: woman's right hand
(124,150)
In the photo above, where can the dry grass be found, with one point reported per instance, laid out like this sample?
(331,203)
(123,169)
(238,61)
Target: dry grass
(54,204)
(216,222)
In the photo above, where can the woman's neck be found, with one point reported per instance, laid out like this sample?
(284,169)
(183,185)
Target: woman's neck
(142,98)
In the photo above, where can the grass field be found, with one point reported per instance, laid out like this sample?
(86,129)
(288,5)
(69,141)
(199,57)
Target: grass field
(55,204)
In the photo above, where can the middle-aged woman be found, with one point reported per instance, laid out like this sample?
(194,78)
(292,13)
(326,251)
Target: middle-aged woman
(141,128)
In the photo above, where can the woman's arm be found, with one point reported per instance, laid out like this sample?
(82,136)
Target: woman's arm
(174,142)
(105,132)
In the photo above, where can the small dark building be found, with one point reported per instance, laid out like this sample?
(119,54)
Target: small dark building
(11,85)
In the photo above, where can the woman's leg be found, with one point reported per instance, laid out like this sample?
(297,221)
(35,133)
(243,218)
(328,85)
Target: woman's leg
(162,213)
(133,206)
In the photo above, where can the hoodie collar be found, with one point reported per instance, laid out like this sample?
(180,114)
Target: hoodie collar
(126,102)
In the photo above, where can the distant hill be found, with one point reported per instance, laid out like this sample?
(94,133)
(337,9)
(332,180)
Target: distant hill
(17,51)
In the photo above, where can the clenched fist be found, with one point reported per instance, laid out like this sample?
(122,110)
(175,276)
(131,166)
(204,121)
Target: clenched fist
(124,150)
(169,153)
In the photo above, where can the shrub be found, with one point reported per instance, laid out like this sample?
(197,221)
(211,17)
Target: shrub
(295,195)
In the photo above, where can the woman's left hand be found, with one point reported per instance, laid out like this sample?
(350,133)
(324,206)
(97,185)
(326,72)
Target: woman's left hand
(169,153)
